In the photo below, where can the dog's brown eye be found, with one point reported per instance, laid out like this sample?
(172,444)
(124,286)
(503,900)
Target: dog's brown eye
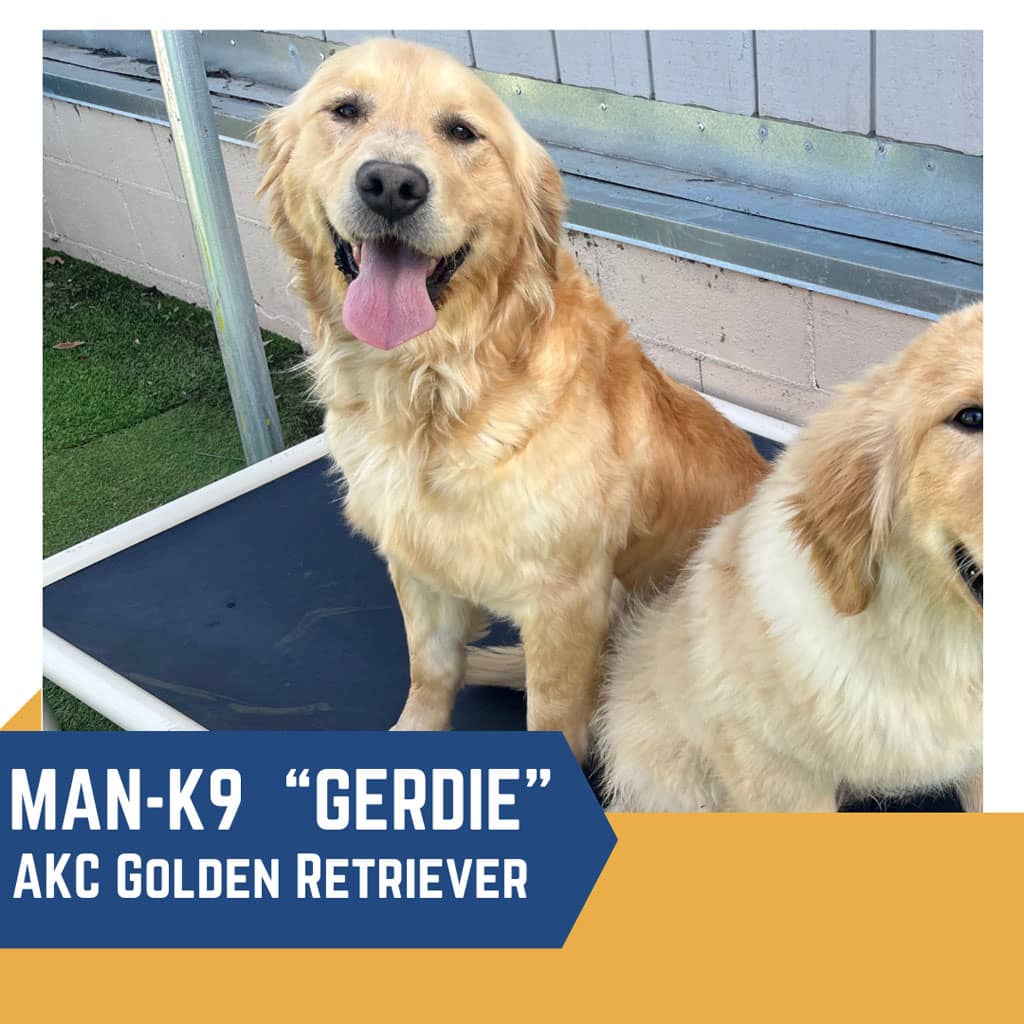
(461,132)
(347,111)
(969,418)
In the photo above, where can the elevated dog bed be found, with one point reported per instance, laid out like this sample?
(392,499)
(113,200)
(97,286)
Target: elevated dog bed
(249,605)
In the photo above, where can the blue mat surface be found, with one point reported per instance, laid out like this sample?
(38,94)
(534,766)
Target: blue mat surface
(266,613)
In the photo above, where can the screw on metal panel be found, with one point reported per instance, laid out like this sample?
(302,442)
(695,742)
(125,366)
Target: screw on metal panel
(322,57)
(604,106)
(232,42)
(881,149)
(518,91)
(930,166)
(763,132)
(808,146)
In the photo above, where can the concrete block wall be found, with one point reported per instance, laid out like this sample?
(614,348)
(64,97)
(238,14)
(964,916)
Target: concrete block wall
(113,196)
(772,347)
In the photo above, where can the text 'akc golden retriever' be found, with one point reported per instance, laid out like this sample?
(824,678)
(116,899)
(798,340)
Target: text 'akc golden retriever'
(504,442)
(827,637)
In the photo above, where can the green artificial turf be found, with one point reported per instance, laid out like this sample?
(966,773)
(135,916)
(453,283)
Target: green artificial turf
(139,412)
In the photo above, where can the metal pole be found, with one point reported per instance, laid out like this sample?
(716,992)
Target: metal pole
(190,113)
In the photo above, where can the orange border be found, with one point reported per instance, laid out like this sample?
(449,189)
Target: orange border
(697,917)
(29,718)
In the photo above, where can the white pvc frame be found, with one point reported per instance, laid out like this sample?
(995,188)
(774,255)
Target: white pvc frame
(132,707)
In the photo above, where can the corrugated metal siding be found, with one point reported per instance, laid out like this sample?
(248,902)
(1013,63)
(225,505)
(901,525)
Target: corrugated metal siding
(923,87)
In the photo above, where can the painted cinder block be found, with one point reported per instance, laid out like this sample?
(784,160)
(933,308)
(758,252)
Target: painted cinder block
(187,290)
(702,309)
(113,145)
(269,273)
(164,230)
(774,396)
(849,337)
(117,264)
(168,157)
(244,177)
(54,143)
(682,366)
(821,78)
(584,249)
(89,209)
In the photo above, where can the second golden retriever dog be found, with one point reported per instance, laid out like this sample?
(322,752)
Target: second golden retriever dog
(827,637)
(504,442)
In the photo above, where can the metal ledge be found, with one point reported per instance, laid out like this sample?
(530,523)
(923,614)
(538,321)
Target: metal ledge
(903,180)
(861,270)
(917,266)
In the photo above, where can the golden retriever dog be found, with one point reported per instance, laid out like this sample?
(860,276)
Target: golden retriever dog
(504,443)
(827,637)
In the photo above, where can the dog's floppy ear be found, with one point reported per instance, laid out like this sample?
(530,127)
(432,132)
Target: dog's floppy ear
(275,138)
(843,514)
(543,200)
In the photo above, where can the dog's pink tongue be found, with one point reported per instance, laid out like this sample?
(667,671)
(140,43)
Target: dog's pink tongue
(388,303)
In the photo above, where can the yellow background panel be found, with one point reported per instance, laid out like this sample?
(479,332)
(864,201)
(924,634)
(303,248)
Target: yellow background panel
(696,918)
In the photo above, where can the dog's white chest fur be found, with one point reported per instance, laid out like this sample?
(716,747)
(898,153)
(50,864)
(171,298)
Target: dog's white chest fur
(894,693)
(481,520)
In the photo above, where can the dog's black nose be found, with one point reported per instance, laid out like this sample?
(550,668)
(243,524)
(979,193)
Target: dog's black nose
(392,190)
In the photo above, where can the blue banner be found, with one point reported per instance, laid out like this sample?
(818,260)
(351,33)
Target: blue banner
(287,839)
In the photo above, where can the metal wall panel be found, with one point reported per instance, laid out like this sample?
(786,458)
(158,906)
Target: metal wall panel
(284,62)
(928,88)
(840,250)
(130,43)
(349,36)
(517,53)
(709,69)
(456,43)
(618,61)
(821,78)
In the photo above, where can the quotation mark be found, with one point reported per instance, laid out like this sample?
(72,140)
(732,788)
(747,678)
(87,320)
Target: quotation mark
(534,777)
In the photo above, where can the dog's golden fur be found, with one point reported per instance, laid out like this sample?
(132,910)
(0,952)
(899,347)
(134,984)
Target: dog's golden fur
(824,638)
(522,453)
